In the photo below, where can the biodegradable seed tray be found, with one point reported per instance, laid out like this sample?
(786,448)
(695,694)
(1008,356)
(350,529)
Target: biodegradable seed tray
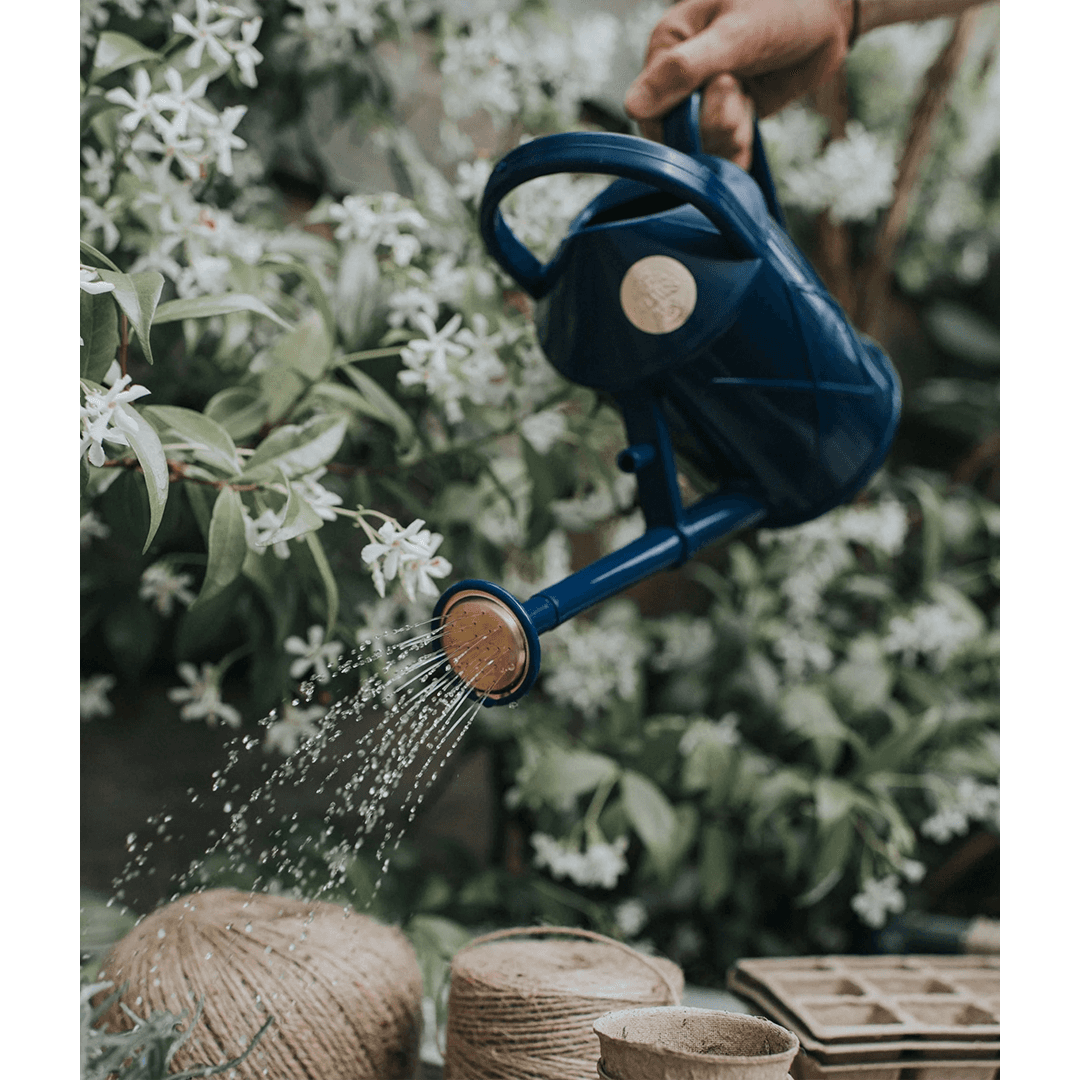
(838,999)
(806,1067)
(882,1017)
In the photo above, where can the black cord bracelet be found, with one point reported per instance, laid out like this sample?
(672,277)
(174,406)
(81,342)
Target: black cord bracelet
(855,7)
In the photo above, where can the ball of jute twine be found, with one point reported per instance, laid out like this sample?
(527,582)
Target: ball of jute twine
(343,989)
(524,1009)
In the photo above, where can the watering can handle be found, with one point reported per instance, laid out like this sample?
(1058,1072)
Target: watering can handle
(661,167)
(682,131)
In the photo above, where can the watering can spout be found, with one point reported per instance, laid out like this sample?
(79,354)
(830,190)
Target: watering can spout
(492,640)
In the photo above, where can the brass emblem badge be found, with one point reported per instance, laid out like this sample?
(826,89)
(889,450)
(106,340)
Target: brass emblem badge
(658,294)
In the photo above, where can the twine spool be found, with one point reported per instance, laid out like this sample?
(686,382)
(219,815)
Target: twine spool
(524,1009)
(344,990)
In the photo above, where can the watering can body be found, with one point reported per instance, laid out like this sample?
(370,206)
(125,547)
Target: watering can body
(678,293)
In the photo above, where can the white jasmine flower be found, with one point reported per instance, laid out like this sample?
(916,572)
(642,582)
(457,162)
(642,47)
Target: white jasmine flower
(172,146)
(91,527)
(958,806)
(89,282)
(163,586)
(853,179)
(410,552)
(98,171)
(687,643)
(104,421)
(294,727)
(406,304)
(93,696)
(723,732)
(100,217)
(793,138)
(416,573)
(877,899)
(631,917)
(202,696)
(313,653)
(184,104)
(912,870)
(206,275)
(244,51)
(142,104)
(883,526)
(379,221)
(543,430)
(472,178)
(257,533)
(599,865)
(595,663)
(222,140)
(316,496)
(586,511)
(801,653)
(931,630)
(428,363)
(206,34)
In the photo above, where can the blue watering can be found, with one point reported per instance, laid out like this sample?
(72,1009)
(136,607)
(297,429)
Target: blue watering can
(678,293)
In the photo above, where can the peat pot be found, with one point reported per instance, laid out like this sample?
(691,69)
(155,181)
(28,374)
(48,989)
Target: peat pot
(678,1043)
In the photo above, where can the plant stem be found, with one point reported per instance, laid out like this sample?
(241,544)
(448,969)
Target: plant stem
(833,249)
(123,344)
(936,85)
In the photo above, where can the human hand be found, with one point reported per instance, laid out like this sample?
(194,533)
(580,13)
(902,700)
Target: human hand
(745,55)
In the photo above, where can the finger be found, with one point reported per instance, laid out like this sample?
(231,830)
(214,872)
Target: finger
(673,74)
(727,120)
(683,21)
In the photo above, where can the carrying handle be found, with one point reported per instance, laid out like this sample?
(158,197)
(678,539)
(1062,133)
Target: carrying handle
(682,131)
(662,167)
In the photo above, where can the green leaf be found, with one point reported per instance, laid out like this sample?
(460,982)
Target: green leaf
(202,307)
(963,332)
(833,850)
(296,361)
(227,545)
(299,518)
(806,711)
(138,296)
(833,799)
(716,864)
(201,498)
(147,447)
(295,450)
(933,530)
(652,816)
(306,348)
(99,333)
(311,282)
(333,397)
(329,583)
(211,440)
(862,683)
(553,776)
(99,258)
(381,406)
(240,410)
(116,51)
